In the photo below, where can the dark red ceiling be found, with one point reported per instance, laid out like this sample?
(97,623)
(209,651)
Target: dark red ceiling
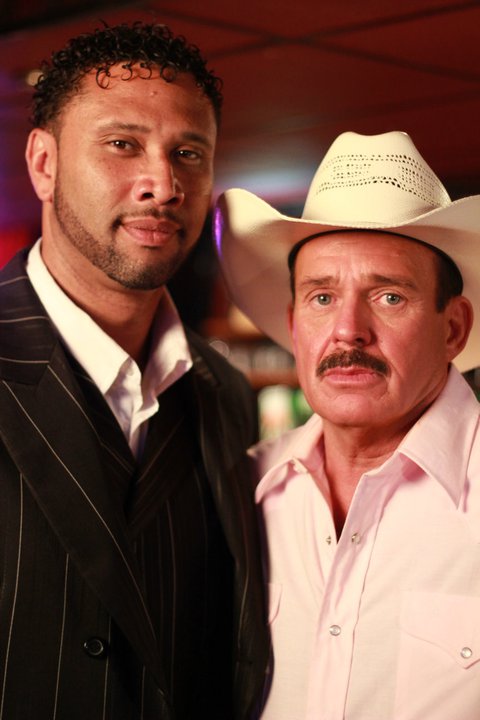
(296,75)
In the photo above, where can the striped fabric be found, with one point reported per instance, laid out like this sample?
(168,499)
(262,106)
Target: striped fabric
(104,565)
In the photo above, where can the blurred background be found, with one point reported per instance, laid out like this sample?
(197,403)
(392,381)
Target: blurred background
(296,75)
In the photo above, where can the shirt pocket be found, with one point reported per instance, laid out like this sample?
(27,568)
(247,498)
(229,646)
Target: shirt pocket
(450,623)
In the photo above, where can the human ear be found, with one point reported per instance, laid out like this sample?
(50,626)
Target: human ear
(41,157)
(459,321)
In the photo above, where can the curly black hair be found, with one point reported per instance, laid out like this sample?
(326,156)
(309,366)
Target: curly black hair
(149,45)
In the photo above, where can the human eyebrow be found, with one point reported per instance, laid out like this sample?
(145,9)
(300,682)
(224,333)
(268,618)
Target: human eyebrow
(197,138)
(397,280)
(116,126)
(325,281)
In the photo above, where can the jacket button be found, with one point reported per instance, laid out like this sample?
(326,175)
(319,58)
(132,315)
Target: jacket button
(96,647)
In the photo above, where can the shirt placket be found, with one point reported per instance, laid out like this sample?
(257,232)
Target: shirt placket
(334,643)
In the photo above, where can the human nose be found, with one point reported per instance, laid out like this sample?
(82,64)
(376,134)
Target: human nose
(157,182)
(352,325)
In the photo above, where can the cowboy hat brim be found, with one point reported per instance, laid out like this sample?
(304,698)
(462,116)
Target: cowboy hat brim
(254,241)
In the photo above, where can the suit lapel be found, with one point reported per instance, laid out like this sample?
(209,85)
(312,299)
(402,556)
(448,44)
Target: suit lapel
(46,429)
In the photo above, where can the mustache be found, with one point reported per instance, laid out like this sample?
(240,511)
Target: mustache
(351,358)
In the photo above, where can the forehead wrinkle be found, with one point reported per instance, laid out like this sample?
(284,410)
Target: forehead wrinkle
(333,280)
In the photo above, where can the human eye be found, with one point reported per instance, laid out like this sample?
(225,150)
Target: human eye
(188,155)
(120,144)
(391,299)
(323,299)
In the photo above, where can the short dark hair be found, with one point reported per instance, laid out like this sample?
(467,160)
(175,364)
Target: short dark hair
(449,277)
(150,45)
(449,280)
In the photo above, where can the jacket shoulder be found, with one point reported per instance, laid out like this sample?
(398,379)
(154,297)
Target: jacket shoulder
(233,392)
(222,370)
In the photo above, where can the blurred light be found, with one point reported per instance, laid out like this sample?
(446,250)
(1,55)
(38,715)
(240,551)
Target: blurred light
(32,76)
(271,185)
(12,240)
(274,181)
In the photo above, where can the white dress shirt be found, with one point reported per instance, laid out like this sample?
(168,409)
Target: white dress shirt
(383,624)
(132,397)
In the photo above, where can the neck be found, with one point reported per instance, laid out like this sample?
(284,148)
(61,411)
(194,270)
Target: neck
(126,315)
(129,324)
(349,453)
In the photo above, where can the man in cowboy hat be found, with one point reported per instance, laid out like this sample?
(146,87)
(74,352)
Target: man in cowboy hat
(372,508)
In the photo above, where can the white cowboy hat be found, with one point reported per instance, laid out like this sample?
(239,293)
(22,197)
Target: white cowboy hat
(376,182)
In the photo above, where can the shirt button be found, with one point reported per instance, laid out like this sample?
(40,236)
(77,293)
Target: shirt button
(466,652)
(334,630)
(328,540)
(355,539)
(95,647)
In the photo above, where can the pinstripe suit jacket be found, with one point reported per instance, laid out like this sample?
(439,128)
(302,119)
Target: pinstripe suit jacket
(67,570)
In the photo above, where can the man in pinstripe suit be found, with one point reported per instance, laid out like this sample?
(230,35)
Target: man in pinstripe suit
(130,584)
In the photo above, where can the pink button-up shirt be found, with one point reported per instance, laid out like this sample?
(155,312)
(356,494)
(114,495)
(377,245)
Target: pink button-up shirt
(383,624)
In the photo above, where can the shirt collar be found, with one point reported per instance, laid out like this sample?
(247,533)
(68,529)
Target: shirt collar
(440,442)
(297,450)
(97,352)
